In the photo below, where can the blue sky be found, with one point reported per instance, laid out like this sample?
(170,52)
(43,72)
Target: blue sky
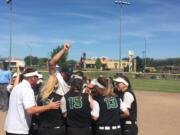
(91,26)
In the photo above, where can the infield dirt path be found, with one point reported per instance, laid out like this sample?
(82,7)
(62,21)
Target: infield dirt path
(158,113)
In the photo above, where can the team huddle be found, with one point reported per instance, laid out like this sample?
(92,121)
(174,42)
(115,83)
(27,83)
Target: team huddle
(69,104)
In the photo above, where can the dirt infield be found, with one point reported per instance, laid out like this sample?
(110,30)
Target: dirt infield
(158,113)
(2,118)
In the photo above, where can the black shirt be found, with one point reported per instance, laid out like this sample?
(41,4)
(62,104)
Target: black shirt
(109,111)
(78,110)
(51,118)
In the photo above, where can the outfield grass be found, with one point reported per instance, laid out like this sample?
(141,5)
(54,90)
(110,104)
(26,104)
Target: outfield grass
(156,85)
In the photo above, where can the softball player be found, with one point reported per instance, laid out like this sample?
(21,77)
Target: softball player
(110,105)
(50,122)
(129,124)
(77,109)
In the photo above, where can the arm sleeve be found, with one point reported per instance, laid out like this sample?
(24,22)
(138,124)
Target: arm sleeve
(128,99)
(95,110)
(63,105)
(28,99)
(122,106)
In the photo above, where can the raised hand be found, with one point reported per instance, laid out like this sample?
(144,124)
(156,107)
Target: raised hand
(66,46)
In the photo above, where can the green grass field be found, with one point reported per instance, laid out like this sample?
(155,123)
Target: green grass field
(156,85)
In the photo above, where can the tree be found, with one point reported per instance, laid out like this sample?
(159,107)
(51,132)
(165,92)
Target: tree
(139,63)
(98,63)
(42,61)
(35,60)
(71,62)
(30,60)
(63,58)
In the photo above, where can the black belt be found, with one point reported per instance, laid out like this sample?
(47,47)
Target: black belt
(49,127)
(109,127)
(80,127)
(130,122)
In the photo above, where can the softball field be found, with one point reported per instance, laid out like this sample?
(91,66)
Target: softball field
(158,113)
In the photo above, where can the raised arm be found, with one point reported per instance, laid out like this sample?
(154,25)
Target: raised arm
(17,78)
(56,57)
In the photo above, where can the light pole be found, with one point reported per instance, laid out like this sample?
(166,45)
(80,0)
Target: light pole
(121,3)
(145,43)
(10,29)
(30,57)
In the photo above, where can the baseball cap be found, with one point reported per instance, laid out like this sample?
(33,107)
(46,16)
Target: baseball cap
(68,70)
(30,72)
(121,80)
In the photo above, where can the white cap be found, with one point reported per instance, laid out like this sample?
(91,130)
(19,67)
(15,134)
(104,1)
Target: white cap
(95,82)
(121,80)
(35,73)
(76,76)
(40,76)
